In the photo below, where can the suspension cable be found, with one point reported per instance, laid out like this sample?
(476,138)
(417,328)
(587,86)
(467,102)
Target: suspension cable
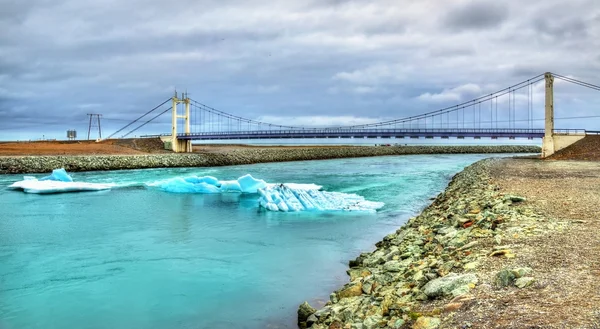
(136,120)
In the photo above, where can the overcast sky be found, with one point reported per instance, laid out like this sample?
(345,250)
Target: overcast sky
(321,62)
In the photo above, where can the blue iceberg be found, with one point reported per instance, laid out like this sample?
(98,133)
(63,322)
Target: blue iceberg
(285,198)
(184,185)
(58,175)
(209,184)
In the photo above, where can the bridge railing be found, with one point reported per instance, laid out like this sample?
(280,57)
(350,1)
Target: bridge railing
(389,131)
(570,131)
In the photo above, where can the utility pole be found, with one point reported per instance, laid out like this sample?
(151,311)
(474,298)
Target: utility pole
(93,124)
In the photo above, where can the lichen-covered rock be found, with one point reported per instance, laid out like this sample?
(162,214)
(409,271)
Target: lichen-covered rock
(446,285)
(505,278)
(515,198)
(524,281)
(520,272)
(426,322)
(352,290)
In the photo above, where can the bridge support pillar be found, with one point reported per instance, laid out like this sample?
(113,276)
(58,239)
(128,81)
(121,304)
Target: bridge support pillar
(180,145)
(548,141)
(553,142)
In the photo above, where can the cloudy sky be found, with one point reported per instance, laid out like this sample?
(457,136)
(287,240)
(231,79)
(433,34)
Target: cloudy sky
(318,62)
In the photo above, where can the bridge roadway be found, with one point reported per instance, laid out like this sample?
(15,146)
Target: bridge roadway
(375,133)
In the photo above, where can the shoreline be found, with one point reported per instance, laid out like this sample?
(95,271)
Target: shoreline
(463,258)
(76,163)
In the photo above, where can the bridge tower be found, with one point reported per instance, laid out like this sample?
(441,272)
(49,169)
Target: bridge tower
(178,145)
(548,141)
(552,141)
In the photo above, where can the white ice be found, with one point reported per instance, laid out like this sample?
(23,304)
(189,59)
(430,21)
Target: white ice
(58,182)
(49,186)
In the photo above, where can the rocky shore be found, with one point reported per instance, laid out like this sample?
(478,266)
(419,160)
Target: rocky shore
(423,274)
(40,164)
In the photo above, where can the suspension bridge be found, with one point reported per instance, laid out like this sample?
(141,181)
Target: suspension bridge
(506,113)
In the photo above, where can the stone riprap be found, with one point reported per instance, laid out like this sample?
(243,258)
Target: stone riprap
(42,164)
(433,257)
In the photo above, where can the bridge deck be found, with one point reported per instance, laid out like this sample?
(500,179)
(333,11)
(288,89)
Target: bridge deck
(375,133)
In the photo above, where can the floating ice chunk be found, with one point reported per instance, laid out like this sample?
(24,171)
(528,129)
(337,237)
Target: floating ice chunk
(250,184)
(181,185)
(284,198)
(51,186)
(230,186)
(58,182)
(194,184)
(204,179)
(58,175)
(274,197)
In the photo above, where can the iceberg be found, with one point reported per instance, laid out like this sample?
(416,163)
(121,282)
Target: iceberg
(209,184)
(250,184)
(186,185)
(285,198)
(59,175)
(58,182)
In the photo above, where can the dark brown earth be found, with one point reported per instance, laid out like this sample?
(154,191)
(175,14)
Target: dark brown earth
(586,149)
(107,147)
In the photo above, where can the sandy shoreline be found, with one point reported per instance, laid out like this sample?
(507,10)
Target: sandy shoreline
(511,243)
(220,156)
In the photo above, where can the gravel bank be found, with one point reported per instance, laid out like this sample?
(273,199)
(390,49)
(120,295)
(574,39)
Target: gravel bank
(457,265)
(40,164)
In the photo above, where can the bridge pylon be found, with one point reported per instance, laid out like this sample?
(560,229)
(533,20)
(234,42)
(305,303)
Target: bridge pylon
(178,145)
(552,141)
(548,140)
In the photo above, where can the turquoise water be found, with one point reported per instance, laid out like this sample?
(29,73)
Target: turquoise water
(137,257)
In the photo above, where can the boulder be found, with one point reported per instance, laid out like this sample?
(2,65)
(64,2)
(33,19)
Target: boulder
(425,322)
(350,291)
(524,281)
(505,278)
(520,272)
(304,311)
(445,286)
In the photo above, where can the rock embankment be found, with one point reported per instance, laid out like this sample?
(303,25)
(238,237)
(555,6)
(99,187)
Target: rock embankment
(37,164)
(427,269)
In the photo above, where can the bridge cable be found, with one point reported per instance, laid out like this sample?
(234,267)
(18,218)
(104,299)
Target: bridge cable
(440,112)
(136,120)
(577,82)
(475,101)
(145,123)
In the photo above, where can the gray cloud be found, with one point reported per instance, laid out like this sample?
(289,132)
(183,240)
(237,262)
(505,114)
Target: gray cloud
(560,28)
(476,14)
(347,59)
